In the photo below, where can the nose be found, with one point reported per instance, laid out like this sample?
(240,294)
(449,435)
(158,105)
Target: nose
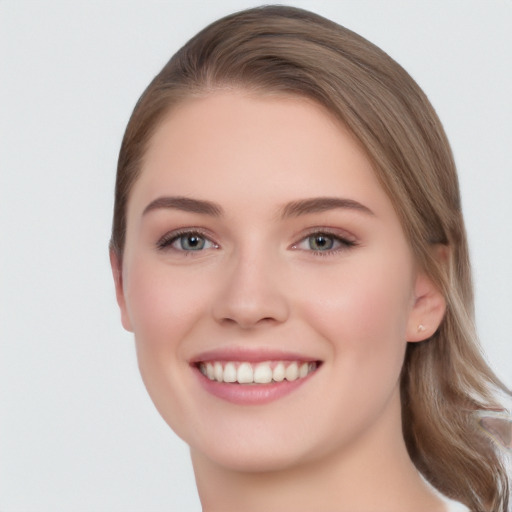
(251,294)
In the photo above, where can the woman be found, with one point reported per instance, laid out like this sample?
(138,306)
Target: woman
(289,250)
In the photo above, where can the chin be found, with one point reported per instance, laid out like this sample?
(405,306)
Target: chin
(262,460)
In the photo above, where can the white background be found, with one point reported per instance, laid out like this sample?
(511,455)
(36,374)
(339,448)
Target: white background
(77,430)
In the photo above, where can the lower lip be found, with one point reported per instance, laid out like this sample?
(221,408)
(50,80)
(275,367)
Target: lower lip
(250,394)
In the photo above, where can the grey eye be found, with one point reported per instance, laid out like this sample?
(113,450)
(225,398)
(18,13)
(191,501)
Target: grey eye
(190,242)
(321,242)
(186,241)
(324,242)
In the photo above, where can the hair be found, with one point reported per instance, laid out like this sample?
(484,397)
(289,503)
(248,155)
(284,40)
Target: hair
(283,50)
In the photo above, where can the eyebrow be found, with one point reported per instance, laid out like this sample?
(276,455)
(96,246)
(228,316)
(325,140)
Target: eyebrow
(322,204)
(293,209)
(185,204)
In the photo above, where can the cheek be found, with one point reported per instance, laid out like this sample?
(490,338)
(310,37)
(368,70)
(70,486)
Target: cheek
(160,303)
(163,307)
(362,318)
(362,311)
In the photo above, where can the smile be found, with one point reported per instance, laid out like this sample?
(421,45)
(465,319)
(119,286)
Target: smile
(267,372)
(244,378)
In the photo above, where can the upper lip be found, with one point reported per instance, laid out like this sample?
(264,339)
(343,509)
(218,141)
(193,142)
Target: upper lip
(250,355)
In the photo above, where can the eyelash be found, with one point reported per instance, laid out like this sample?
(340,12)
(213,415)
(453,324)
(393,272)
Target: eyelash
(167,241)
(344,242)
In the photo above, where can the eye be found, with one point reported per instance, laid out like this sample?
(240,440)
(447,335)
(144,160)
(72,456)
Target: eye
(321,242)
(187,241)
(324,242)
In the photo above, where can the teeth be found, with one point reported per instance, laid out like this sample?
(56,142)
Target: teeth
(261,373)
(244,374)
(218,372)
(230,373)
(279,372)
(292,372)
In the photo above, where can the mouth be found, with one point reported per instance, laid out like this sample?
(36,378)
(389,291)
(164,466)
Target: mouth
(246,382)
(247,373)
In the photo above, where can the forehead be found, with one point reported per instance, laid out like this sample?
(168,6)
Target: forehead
(261,147)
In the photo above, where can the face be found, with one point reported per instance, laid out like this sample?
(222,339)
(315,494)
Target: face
(268,282)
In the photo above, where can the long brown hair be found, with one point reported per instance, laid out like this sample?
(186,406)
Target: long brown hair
(284,50)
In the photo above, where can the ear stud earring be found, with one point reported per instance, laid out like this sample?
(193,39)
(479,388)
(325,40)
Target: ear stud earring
(421,328)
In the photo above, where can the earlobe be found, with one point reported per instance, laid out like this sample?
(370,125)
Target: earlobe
(117,274)
(427,311)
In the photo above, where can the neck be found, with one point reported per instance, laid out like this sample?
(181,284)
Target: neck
(374,474)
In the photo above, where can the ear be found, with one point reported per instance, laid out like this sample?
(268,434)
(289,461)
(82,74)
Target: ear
(427,311)
(429,304)
(117,273)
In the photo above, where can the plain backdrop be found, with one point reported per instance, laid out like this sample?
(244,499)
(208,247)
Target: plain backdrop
(77,430)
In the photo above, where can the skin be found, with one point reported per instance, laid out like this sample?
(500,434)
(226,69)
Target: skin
(335,443)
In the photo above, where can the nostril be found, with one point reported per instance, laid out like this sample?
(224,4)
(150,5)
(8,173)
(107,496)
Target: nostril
(248,303)
(248,322)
